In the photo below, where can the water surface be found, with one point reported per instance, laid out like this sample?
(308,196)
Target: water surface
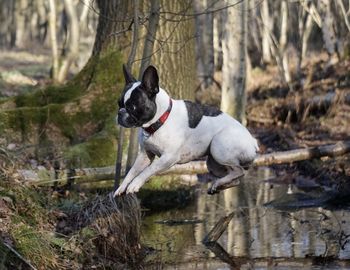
(258,237)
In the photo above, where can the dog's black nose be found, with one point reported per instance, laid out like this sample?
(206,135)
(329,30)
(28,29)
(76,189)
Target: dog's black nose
(121,112)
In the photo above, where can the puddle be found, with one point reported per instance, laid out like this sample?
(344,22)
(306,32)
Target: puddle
(257,237)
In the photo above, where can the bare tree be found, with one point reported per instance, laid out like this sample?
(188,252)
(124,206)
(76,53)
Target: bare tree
(204,42)
(344,13)
(7,23)
(174,49)
(284,41)
(73,47)
(327,26)
(21,8)
(267,28)
(217,40)
(53,38)
(233,97)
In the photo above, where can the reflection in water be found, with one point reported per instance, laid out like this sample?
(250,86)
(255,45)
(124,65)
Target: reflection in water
(255,232)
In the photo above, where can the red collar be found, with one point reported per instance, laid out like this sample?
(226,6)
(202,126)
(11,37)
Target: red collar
(155,126)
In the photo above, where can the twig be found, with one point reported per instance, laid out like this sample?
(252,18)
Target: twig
(19,255)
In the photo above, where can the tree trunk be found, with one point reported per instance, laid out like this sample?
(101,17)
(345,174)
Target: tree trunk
(204,42)
(174,51)
(267,27)
(73,48)
(7,23)
(42,21)
(133,138)
(146,59)
(21,8)
(233,98)
(217,40)
(284,41)
(113,25)
(344,13)
(53,38)
(306,35)
(329,37)
(83,17)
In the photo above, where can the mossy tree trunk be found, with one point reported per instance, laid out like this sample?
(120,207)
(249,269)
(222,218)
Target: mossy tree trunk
(79,117)
(80,114)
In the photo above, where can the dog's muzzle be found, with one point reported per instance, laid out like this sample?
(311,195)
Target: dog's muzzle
(125,119)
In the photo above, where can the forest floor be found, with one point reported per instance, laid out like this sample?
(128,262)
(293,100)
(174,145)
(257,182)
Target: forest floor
(280,118)
(315,112)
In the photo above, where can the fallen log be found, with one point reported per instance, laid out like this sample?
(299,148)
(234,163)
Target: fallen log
(218,229)
(332,150)
(43,176)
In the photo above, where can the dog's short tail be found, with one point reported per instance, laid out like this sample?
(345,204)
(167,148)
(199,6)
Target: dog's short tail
(257,149)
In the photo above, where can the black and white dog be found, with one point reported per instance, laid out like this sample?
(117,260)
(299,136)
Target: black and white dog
(178,131)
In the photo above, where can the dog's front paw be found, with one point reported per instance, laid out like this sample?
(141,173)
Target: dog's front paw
(134,186)
(120,191)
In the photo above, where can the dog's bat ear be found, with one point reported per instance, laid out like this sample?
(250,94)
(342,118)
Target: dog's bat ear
(127,75)
(150,81)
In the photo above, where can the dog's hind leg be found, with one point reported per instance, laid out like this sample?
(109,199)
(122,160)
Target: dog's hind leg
(229,180)
(215,168)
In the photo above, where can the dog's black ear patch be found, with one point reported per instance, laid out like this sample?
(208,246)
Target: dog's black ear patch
(196,111)
(150,81)
(128,76)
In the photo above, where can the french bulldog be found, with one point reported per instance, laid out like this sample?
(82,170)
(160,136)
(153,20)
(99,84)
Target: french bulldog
(178,131)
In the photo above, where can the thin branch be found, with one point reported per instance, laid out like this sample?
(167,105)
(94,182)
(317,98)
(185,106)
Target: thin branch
(341,5)
(151,35)
(91,7)
(313,12)
(206,11)
(135,35)
(19,255)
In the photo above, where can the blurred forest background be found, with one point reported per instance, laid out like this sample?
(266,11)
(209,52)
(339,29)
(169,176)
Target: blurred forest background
(280,67)
(214,52)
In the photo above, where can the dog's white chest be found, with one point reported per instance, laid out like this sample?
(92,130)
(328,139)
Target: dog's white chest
(153,145)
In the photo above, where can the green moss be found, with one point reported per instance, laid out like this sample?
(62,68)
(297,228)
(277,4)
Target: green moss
(82,113)
(101,74)
(48,95)
(28,218)
(98,151)
(103,71)
(108,70)
(30,205)
(34,245)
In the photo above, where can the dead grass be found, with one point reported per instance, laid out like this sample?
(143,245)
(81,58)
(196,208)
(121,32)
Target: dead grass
(116,223)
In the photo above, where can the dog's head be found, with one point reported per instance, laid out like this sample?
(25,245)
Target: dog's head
(137,104)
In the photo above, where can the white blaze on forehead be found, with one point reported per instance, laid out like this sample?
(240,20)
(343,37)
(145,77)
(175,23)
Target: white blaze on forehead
(128,93)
